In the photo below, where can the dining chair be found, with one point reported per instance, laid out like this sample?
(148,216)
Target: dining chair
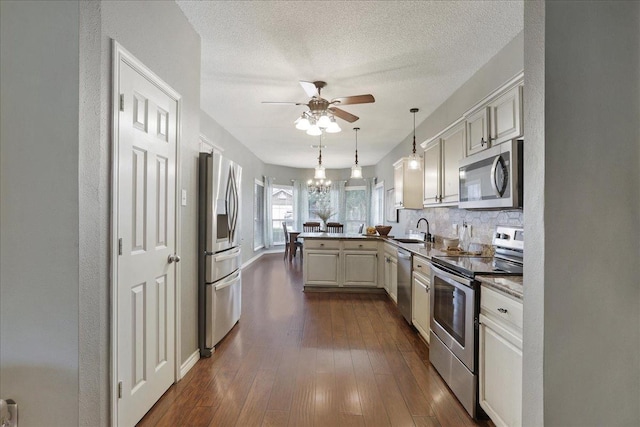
(287,242)
(335,227)
(311,227)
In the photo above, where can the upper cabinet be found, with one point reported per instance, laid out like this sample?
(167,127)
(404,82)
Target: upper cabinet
(495,119)
(441,156)
(408,185)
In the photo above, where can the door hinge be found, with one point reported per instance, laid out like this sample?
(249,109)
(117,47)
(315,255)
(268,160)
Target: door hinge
(122,102)
(120,390)
(120,246)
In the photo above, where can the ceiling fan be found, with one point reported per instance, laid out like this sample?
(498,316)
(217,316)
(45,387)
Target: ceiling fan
(321,111)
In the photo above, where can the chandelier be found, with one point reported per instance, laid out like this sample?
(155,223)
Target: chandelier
(319,184)
(356,170)
(414,159)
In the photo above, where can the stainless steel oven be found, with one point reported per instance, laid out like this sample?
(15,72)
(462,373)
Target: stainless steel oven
(454,333)
(455,308)
(453,311)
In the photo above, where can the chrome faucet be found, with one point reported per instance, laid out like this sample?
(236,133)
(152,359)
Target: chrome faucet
(427,237)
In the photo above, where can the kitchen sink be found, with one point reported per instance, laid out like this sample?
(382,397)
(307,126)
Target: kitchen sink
(402,240)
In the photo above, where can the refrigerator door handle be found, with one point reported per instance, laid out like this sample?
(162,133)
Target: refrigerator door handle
(233,253)
(225,283)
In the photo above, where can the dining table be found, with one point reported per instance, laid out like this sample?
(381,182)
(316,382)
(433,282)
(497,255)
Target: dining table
(293,236)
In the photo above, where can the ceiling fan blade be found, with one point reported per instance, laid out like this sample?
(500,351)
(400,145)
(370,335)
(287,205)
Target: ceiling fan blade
(357,99)
(343,114)
(284,103)
(310,88)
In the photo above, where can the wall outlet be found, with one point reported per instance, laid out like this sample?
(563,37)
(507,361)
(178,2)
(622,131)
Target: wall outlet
(455,229)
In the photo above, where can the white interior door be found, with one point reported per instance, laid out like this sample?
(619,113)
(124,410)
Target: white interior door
(144,223)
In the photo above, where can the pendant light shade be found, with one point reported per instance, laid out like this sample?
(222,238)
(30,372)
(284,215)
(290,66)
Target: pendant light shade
(356,170)
(414,159)
(319,184)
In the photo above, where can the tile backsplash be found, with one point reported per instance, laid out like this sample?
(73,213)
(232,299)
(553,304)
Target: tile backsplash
(441,221)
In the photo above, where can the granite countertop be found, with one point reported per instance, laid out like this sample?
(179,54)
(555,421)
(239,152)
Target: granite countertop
(426,250)
(511,285)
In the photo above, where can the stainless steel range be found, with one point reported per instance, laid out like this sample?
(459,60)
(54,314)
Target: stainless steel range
(455,308)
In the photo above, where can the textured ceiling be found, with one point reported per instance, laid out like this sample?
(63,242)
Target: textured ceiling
(407,54)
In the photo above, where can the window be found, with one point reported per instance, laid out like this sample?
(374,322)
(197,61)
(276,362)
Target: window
(258,215)
(281,211)
(319,204)
(356,208)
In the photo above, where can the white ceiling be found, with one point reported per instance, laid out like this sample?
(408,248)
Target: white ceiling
(406,54)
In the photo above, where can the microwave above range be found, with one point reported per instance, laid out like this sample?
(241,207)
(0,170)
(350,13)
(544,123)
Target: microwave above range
(492,179)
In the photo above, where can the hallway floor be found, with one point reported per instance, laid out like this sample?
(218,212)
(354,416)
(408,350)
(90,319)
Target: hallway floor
(311,359)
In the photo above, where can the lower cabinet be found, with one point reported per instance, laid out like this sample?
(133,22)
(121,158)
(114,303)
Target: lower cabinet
(338,263)
(500,372)
(421,287)
(360,268)
(391,271)
(322,267)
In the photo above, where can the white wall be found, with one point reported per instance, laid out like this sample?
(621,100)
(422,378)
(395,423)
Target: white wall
(39,322)
(591,214)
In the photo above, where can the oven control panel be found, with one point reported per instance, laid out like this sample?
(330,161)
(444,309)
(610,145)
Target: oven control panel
(509,237)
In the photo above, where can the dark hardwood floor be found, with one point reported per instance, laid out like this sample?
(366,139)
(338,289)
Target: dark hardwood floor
(311,359)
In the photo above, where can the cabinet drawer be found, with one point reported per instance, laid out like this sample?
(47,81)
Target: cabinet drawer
(422,265)
(499,306)
(361,245)
(322,244)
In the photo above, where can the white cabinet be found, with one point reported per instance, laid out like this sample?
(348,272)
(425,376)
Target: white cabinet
(441,171)
(391,271)
(496,119)
(360,263)
(408,185)
(321,267)
(421,288)
(500,372)
(340,262)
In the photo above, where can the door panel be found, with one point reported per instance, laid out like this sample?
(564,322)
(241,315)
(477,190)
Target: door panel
(145,223)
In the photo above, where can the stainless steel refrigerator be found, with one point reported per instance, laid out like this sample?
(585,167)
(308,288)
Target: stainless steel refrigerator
(219,278)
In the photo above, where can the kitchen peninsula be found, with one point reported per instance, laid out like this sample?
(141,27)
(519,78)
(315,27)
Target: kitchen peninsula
(345,261)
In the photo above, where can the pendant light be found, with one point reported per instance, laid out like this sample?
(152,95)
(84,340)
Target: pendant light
(320,172)
(414,159)
(356,171)
(319,184)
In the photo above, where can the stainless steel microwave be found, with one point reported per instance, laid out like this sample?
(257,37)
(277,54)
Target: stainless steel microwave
(492,179)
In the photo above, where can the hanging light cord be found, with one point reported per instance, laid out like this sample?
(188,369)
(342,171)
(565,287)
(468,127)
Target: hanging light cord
(356,129)
(414,129)
(320,156)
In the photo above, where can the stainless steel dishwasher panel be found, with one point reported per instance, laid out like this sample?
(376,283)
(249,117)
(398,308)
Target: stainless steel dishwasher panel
(404,284)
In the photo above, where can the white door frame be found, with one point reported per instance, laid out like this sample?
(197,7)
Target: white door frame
(119,54)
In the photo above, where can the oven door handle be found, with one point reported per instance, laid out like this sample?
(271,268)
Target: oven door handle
(452,277)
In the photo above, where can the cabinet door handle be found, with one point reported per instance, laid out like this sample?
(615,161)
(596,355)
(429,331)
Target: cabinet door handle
(502,310)
(321,244)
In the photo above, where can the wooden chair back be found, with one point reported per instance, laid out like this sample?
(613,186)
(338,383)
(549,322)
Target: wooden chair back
(361,229)
(311,227)
(335,227)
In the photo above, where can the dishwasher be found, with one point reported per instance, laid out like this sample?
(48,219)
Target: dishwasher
(404,284)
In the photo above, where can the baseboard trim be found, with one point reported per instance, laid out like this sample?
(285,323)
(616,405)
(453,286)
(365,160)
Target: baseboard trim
(353,290)
(262,252)
(189,363)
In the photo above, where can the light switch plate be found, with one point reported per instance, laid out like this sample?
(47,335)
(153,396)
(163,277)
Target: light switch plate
(184,197)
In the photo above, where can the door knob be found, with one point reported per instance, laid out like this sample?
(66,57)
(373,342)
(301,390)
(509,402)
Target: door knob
(173,258)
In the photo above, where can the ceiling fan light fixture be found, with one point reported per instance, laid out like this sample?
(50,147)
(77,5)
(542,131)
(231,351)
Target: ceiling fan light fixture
(414,159)
(324,121)
(333,126)
(314,130)
(302,123)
